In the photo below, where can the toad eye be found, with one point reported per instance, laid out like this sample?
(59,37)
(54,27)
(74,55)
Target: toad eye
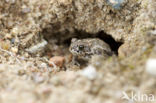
(81,47)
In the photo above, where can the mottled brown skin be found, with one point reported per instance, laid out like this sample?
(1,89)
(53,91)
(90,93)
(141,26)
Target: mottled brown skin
(84,49)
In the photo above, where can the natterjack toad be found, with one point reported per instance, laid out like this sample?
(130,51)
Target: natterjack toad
(84,49)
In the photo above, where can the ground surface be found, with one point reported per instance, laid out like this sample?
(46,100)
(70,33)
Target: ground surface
(34,34)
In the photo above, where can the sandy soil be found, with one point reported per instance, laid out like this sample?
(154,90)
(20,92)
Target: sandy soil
(35,62)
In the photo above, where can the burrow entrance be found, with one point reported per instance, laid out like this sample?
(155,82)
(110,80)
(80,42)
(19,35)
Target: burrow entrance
(110,40)
(64,39)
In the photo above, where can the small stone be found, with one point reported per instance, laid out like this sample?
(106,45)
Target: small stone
(38,78)
(26,55)
(46,90)
(66,2)
(43,65)
(8,36)
(14,49)
(56,81)
(153,32)
(21,72)
(89,72)
(5,45)
(57,60)
(10,1)
(151,66)
(116,4)
(151,37)
(15,30)
(37,48)
(13,40)
(26,9)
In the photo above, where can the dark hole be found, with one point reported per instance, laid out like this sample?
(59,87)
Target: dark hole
(110,40)
(79,35)
(82,34)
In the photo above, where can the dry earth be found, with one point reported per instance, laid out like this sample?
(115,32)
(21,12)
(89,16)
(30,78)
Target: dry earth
(35,63)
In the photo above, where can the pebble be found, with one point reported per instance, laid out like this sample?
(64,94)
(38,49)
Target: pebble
(38,78)
(25,9)
(38,47)
(153,32)
(43,65)
(13,40)
(116,4)
(15,30)
(46,90)
(8,36)
(57,60)
(89,72)
(10,1)
(151,66)
(14,49)
(5,45)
